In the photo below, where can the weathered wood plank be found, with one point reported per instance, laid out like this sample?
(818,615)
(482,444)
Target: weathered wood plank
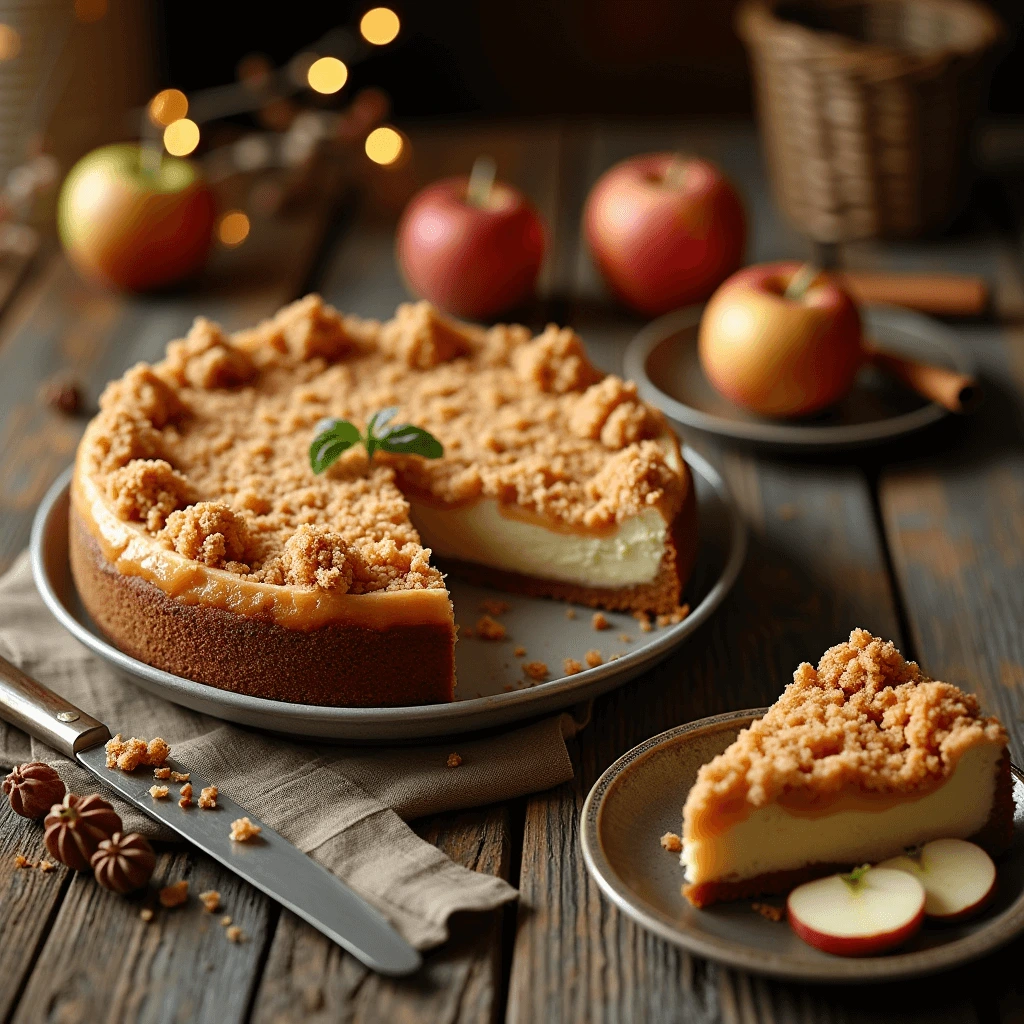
(816,568)
(102,962)
(28,900)
(308,978)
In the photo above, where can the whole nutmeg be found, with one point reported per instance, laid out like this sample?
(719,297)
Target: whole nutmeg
(123,862)
(33,789)
(76,827)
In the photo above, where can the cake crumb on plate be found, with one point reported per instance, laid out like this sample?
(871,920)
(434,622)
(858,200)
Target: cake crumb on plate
(671,842)
(520,652)
(594,658)
(536,670)
(600,621)
(570,613)
(489,629)
(571,666)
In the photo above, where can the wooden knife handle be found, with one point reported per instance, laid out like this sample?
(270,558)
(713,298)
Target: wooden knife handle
(957,392)
(936,294)
(46,715)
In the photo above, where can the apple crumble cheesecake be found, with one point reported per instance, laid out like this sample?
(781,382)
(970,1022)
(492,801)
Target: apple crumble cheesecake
(203,543)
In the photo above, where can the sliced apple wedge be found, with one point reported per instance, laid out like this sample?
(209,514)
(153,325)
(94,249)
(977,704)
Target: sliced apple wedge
(959,877)
(864,912)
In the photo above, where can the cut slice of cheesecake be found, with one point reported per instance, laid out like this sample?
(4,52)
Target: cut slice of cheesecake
(857,760)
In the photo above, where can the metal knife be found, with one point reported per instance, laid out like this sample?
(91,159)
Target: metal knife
(270,863)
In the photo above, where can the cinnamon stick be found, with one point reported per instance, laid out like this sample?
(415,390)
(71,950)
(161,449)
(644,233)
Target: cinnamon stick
(955,391)
(936,294)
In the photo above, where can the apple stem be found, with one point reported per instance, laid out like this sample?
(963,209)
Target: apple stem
(675,173)
(801,281)
(854,878)
(481,181)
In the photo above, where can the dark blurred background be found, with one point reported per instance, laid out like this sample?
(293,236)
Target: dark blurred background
(531,58)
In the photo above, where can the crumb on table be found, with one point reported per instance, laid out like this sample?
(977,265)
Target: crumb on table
(671,842)
(536,670)
(210,901)
(146,913)
(46,866)
(492,606)
(174,895)
(21,861)
(767,911)
(600,621)
(159,792)
(454,760)
(571,666)
(234,934)
(208,797)
(242,830)
(489,629)
(185,795)
(520,652)
(225,921)
(162,773)
(593,658)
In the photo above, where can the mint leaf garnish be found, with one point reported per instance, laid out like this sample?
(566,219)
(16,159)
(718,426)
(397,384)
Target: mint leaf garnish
(334,436)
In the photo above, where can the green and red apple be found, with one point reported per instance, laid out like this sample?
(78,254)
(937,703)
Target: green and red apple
(130,226)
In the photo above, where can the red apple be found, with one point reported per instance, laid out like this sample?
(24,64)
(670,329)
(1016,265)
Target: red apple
(473,259)
(959,878)
(664,230)
(129,227)
(778,355)
(859,914)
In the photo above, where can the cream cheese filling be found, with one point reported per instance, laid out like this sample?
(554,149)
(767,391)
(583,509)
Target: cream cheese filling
(481,534)
(773,838)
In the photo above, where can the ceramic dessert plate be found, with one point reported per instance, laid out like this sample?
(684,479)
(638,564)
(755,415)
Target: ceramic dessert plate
(640,798)
(492,690)
(663,361)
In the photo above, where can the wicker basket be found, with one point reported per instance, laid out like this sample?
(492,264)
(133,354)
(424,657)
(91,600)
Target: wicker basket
(866,108)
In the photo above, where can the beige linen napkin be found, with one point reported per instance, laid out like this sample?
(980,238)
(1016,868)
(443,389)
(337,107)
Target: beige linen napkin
(344,806)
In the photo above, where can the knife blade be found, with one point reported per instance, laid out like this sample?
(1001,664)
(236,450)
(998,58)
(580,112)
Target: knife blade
(269,862)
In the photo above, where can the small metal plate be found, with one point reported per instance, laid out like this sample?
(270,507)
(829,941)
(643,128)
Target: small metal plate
(640,798)
(492,689)
(662,359)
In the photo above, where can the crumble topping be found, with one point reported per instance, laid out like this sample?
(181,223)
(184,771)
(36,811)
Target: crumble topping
(208,449)
(671,842)
(242,830)
(129,754)
(174,895)
(489,629)
(865,717)
(536,670)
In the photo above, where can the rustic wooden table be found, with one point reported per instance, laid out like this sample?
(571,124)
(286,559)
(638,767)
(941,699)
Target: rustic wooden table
(924,545)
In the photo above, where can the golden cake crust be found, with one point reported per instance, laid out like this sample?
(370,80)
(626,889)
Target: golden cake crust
(864,719)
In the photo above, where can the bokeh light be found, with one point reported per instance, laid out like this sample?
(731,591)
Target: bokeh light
(10,42)
(168,106)
(327,75)
(90,10)
(384,145)
(233,228)
(379,26)
(181,137)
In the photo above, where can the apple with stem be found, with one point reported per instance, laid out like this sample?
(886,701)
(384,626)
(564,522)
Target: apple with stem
(664,230)
(959,877)
(135,223)
(861,913)
(781,339)
(472,246)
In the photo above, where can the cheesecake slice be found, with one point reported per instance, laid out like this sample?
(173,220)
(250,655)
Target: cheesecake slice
(857,760)
(203,543)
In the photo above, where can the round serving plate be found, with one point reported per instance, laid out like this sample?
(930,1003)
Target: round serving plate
(663,361)
(640,798)
(492,689)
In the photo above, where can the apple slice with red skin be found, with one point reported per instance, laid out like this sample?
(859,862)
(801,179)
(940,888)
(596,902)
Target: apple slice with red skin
(865,912)
(959,877)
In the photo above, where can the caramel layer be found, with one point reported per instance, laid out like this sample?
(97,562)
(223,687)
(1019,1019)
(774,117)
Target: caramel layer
(133,553)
